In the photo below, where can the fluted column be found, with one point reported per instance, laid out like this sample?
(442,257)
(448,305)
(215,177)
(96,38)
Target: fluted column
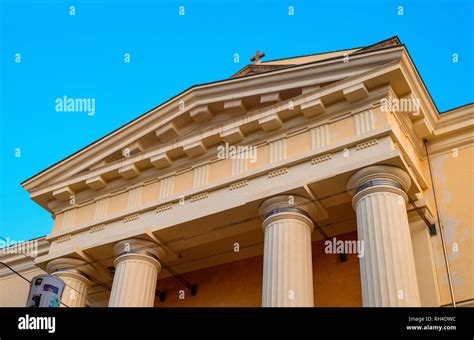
(387,268)
(136,273)
(74,273)
(287,266)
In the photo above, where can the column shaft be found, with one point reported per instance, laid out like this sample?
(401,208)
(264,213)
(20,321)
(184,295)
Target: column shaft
(288,270)
(387,269)
(135,281)
(287,259)
(76,289)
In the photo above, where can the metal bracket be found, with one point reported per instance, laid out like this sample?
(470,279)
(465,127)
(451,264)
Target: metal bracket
(343,257)
(161,295)
(431,227)
(192,287)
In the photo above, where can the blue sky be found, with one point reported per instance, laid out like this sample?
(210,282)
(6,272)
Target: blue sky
(82,56)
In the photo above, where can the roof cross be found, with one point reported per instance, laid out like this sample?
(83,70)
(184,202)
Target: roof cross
(257,56)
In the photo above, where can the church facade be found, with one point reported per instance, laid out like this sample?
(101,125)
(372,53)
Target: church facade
(322,180)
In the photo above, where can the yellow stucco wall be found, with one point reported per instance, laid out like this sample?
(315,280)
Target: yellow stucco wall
(150,192)
(85,214)
(342,129)
(183,181)
(219,170)
(118,203)
(298,144)
(453,177)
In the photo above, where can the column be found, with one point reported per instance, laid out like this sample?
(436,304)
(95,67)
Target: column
(287,262)
(136,273)
(74,273)
(388,267)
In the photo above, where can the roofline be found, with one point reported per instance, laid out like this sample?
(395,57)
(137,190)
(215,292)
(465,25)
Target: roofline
(288,58)
(399,42)
(422,80)
(307,55)
(327,52)
(312,63)
(457,108)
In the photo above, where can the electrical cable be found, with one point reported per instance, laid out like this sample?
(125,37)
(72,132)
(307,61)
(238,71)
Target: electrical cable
(34,263)
(24,278)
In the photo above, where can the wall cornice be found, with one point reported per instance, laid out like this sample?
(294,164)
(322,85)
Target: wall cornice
(20,261)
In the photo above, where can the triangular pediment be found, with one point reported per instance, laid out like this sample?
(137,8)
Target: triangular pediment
(191,124)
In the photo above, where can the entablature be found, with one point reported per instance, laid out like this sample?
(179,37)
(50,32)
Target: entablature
(248,188)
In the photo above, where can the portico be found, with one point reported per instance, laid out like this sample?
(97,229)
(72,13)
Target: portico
(280,227)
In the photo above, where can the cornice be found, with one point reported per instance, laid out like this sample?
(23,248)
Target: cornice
(449,122)
(22,262)
(449,143)
(418,88)
(454,121)
(454,130)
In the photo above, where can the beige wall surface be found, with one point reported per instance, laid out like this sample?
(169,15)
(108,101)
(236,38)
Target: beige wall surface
(14,290)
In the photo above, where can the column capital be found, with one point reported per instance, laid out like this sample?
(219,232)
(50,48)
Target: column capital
(379,178)
(136,273)
(76,275)
(141,257)
(71,267)
(139,247)
(287,206)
